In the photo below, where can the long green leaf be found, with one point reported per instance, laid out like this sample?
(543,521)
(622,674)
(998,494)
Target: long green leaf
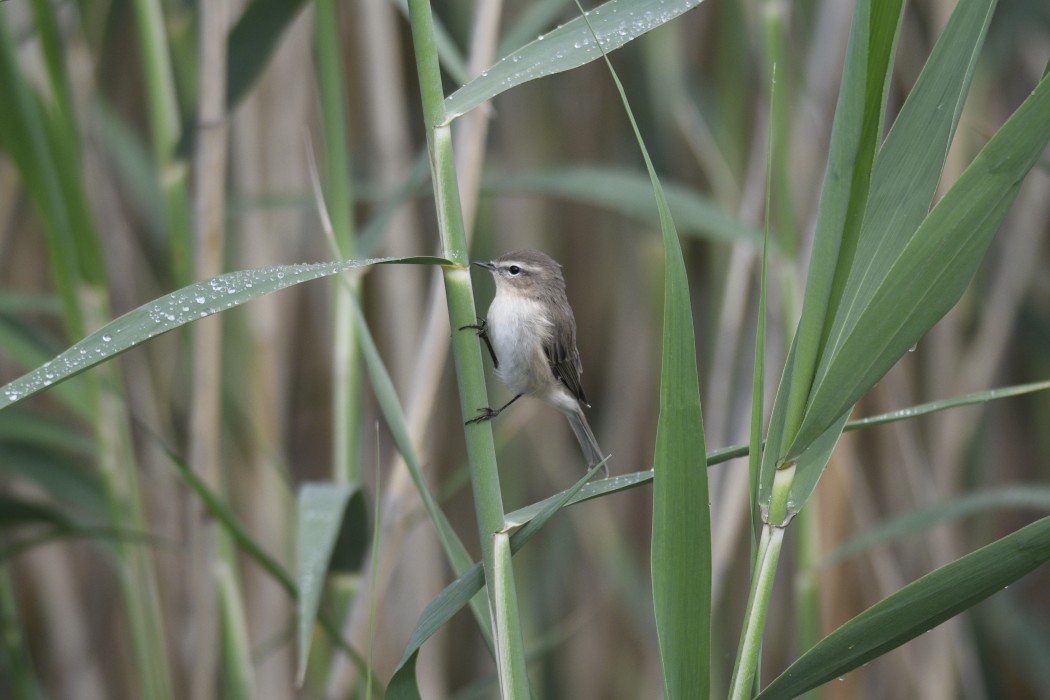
(944,404)
(931,272)
(907,168)
(569,46)
(681,541)
(915,609)
(177,309)
(15,511)
(903,180)
(855,136)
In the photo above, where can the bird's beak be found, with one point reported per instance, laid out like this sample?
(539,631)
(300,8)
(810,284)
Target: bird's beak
(486,265)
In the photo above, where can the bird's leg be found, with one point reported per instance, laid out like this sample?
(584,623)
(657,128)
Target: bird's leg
(482,329)
(487,413)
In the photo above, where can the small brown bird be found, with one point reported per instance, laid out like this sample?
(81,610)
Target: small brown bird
(530,332)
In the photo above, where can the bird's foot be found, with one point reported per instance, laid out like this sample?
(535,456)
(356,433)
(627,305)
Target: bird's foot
(482,329)
(484,414)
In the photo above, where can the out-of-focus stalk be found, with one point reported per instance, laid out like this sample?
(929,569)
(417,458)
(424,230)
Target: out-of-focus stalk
(165,134)
(211,550)
(338,196)
(339,201)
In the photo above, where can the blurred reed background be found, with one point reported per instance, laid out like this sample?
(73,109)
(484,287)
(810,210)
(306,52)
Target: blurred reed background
(146,183)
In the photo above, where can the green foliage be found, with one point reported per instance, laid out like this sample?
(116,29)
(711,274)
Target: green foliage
(98,207)
(916,609)
(575,43)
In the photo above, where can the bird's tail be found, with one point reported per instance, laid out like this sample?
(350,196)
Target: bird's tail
(588,444)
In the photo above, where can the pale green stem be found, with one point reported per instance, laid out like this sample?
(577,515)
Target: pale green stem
(466,351)
(746,668)
(776,519)
(807,591)
(513,682)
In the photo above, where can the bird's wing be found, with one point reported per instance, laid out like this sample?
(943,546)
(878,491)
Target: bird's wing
(564,360)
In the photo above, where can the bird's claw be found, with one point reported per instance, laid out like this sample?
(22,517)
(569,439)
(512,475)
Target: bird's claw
(484,413)
(482,329)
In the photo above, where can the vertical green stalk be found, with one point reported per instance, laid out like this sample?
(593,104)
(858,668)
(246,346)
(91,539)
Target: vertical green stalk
(745,670)
(165,134)
(465,349)
(807,590)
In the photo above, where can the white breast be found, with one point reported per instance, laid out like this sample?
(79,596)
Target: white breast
(518,329)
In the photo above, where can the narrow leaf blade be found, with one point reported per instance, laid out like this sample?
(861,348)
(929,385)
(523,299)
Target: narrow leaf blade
(177,309)
(569,46)
(932,271)
(855,136)
(916,608)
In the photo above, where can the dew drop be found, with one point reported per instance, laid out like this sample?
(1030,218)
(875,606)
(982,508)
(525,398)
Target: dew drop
(107,338)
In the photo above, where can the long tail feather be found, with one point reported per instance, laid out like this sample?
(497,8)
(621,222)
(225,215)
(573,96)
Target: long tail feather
(588,444)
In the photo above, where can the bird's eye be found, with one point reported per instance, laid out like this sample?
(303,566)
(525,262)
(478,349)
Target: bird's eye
(514,269)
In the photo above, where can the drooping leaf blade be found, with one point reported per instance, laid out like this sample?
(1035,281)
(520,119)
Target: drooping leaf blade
(680,560)
(176,309)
